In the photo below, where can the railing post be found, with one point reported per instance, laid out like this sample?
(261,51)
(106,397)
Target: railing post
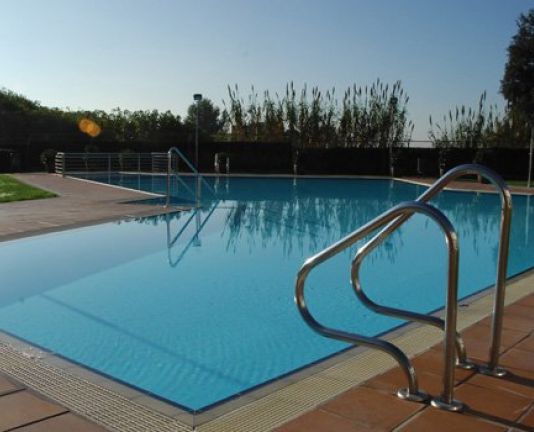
(216,164)
(59,163)
(446,401)
(500,289)
(199,192)
(169,167)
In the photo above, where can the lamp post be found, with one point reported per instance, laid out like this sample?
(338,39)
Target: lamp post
(197,97)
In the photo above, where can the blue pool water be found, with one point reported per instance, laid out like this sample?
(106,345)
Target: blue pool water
(196,307)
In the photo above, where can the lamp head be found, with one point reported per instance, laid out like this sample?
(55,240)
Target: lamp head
(197,97)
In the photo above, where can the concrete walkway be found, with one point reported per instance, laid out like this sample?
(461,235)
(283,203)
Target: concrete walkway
(79,203)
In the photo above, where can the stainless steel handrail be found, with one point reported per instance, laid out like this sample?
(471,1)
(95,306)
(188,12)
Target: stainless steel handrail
(502,263)
(412,392)
(174,150)
(181,156)
(169,169)
(404,314)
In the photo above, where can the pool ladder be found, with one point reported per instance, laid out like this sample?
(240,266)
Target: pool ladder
(454,349)
(172,170)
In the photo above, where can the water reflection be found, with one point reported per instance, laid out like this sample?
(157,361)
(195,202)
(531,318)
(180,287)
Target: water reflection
(299,216)
(200,299)
(194,239)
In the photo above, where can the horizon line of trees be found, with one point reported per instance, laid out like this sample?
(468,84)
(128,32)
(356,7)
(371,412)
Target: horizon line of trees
(374,116)
(370,116)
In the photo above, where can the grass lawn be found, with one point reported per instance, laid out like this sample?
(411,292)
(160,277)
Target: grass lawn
(13,190)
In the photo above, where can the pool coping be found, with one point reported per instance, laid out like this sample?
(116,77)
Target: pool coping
(104,401)
(449,187)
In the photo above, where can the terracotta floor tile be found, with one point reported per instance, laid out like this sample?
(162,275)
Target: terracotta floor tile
(527,344)
(527,301)
(477,333)
(512,322)
(478,350)
(436,420)
(394,379)
(508,383)
(520,375)
(528,420)
(63,423)
(518,359)
(477,340)
(8,386)
(24,407)
(372,409)
(321,421)
(492,403)
(432,361)
(521,311)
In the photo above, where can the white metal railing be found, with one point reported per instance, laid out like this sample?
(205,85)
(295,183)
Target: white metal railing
(75,163)
(165,163)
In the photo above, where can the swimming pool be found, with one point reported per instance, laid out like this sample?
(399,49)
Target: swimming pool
(196,307)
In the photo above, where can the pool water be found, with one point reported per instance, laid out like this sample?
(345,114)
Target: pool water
(197,307)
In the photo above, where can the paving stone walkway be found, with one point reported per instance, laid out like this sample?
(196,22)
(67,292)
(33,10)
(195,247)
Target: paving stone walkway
(79,203)
(23,410)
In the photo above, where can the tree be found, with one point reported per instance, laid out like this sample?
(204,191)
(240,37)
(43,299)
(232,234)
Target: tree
(209,122)
(517,85)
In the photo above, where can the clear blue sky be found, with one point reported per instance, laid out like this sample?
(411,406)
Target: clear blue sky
(101,54)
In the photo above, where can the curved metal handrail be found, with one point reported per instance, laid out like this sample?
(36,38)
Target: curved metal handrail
(502,263)
(175,150)
(412,392)
(181,156)
(403,314)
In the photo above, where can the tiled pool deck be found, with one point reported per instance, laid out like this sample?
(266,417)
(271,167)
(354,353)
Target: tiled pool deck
(326,401)
(494,404)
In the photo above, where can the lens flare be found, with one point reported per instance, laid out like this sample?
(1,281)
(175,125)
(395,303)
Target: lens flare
(89,127)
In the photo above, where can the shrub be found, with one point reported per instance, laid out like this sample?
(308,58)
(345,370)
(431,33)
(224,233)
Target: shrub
(48,159)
